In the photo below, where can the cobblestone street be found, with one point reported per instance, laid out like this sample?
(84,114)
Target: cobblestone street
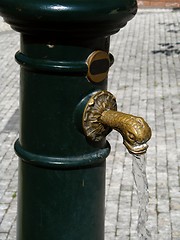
(145,79)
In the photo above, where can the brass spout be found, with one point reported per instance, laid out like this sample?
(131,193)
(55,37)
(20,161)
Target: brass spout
(134,130)
(100,117)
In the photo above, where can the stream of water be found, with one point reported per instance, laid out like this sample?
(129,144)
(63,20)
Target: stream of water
(139,173)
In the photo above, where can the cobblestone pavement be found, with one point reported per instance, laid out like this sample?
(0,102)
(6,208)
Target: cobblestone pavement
(145,78)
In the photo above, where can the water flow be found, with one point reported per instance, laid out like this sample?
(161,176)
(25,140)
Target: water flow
(139,173)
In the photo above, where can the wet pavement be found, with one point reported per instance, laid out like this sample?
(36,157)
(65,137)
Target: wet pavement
(145,79)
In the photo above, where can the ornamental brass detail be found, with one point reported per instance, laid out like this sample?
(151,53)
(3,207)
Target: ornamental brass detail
(98,66)
(93,128)
(100,117)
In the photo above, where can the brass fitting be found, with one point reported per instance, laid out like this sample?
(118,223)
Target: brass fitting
(101,116)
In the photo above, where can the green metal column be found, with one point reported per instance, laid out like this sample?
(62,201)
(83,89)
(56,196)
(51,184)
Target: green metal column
(61,174)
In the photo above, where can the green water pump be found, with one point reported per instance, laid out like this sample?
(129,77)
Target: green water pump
(64,60)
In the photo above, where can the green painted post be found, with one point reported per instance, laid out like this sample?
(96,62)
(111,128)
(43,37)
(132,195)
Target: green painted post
(61,174)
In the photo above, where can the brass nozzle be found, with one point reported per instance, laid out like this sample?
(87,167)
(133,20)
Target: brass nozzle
(134,130)
(101,116)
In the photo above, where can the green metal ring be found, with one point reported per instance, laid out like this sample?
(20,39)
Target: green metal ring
(69,162)
(60,67)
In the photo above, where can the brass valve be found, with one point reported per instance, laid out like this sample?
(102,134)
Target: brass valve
(100,117)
